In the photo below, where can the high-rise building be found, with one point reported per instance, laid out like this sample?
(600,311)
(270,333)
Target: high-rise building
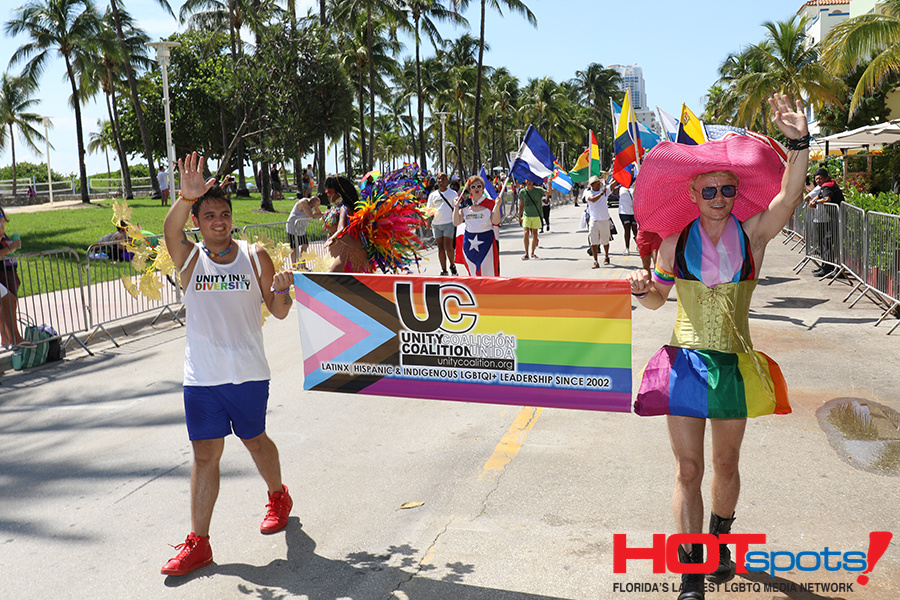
(633,78)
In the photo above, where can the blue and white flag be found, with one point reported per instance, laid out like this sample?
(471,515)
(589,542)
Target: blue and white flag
(489,190)
(669,124)
(534,160)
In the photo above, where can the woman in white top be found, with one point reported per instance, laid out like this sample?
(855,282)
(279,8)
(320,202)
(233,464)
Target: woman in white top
(478,249)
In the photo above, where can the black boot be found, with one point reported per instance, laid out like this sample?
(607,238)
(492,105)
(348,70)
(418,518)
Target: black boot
(725,571)
(692,584)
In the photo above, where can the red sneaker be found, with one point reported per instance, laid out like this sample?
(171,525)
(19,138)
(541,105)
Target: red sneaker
(277,511)
(195,553)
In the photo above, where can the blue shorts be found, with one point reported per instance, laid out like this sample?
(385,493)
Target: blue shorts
(213,412)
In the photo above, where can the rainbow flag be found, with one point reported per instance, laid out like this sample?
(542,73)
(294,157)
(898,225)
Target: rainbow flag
(588,163)
(562,343)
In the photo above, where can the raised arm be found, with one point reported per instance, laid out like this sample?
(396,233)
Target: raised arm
(192,187)
(791,121)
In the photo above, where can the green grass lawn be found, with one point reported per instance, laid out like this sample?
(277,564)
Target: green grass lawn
(78,228)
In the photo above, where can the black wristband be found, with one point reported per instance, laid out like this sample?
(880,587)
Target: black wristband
(798,144)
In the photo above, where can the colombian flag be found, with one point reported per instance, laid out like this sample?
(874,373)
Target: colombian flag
(627,144)
(588,163)
(691,130)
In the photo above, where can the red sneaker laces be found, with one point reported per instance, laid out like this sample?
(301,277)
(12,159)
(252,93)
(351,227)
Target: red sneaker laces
(274,506)
(186,546)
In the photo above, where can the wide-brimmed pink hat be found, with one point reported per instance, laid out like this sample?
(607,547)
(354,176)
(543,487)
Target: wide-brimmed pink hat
(662,201)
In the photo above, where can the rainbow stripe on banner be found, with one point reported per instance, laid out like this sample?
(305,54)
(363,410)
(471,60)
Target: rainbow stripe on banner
(558,343)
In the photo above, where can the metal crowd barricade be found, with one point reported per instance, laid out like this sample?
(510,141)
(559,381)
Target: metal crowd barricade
(64,309)
(854,239)
(822,237)
(883,260)
(794,230)
(290,233)
(108,269)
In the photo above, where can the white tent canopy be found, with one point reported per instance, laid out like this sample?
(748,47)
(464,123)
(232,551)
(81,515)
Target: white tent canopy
(873,136)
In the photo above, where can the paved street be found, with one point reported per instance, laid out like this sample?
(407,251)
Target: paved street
(519,503)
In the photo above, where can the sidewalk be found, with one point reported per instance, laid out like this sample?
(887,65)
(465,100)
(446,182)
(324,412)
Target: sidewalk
(95,466)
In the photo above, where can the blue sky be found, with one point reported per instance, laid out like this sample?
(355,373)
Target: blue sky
(679,45)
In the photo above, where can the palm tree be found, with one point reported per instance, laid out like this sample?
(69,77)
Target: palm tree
(785,64)
(372,9)
(104,69)
(506,96)
(103,139)
(356,55)
(516,6)
(229,16)
(872,38)
(132,85)
(544,104)
(595,86)
(424,13)
(68,26)
(15,100)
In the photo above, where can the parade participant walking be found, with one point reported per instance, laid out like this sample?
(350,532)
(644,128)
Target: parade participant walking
(226,375)
(442,200)
(478,249)
(595,197)
(626,214)
(346,248)
(530,215)
(718,205)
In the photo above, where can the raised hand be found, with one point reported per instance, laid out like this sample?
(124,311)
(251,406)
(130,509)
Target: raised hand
(191,170)
(790,120)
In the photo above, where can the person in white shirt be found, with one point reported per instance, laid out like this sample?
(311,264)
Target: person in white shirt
(163,178)
(626,214)
(442,200)
(595,197)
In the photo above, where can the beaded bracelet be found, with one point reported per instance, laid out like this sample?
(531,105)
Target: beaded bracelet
(182,198)
(801,143)
(281,291)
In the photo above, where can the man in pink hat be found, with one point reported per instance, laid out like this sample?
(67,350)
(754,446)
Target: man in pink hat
(717,205)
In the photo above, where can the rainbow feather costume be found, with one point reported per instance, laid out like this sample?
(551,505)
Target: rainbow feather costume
(385,220)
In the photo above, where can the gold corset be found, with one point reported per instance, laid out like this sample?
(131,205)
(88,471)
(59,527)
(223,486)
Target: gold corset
(713,318)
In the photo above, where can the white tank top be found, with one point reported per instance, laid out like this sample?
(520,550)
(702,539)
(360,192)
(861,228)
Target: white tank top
(224,322)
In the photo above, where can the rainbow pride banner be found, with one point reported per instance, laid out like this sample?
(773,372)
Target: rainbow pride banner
(562,343)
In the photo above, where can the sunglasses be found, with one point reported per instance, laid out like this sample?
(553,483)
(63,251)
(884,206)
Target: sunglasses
(709,192)
(476,186)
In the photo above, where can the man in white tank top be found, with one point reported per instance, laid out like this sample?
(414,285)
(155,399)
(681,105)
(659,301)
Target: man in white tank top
(226,375)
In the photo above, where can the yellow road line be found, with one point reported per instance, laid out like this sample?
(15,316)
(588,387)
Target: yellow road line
(509,445)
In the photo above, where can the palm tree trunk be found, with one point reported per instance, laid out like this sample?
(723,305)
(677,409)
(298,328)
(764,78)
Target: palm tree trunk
(113,111)
(135,99)
(476,150)
(79,132)
(12,147)
(362,128)
(371,89)
(422,161)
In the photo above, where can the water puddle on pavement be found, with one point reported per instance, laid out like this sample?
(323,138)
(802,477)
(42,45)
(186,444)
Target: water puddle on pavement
(864,433)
